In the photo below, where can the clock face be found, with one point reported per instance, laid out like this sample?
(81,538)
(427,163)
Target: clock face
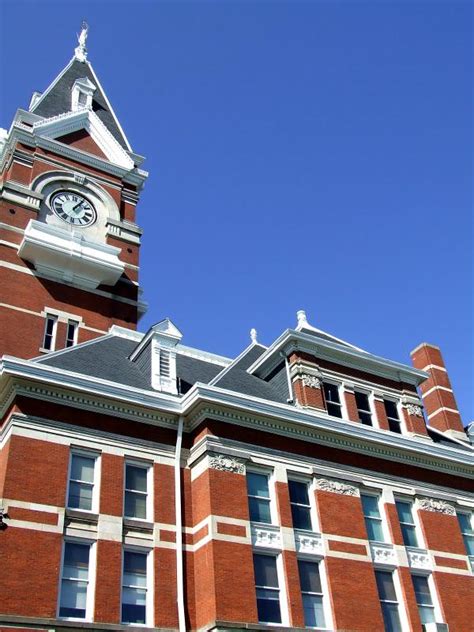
(73,208)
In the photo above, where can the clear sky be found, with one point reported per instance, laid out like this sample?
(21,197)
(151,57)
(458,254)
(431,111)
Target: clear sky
(302,155)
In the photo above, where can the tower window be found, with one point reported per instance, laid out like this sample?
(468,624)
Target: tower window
(363,408)
(50,327)
(333,401)
(393,417)
(71,333)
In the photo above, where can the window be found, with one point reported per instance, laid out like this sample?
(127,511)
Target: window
(312,594)
(363,408)
(259,497)
(71,333)
(423,599)
(393,417)
(82,99)
(136,491)
(267,589)
(404,510)
(134,587)
(465,524)
(81,482)
(50,327)
(333,401)
(300,506)
(388,601)
(372,517)
(74,581)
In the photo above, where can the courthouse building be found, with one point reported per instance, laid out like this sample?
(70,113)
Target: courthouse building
(145,483)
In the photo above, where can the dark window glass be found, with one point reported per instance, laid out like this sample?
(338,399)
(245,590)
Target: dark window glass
(372,517)
(300,507)
(312,594)
(267,590)
(135,492)
(388,601)
(423,599)
(71,333)
(259,497)
(333,403)
(134,588)
(467,531)
(392,416)
(49,333)
(363,408)
(407,524)
(74,580)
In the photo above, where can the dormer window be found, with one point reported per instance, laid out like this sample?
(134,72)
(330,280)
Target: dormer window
(82,93)
(163,367)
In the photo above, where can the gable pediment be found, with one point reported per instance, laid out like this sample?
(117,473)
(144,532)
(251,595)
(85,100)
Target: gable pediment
(65,125)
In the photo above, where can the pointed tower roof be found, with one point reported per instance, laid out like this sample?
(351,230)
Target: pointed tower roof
(56,99)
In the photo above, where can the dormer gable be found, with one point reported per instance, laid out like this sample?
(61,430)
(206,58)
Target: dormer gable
(82,93)
(160,343)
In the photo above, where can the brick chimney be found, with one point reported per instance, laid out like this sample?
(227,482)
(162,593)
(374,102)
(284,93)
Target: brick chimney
(436,391)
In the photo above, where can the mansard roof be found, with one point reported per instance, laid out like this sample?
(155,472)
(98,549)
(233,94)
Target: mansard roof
(57,99)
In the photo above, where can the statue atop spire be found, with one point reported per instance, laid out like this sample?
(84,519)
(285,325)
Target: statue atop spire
(80,51)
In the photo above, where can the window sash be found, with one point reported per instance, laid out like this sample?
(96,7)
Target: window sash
(81,488)
(407,523)
(71,333)
(267,596)
(363,408)
(74,583)
(300,505)
(467,531)
(49,337)
(134,591)
(333,399)
(136,500)
(259,500)
(388,601)
(372,517)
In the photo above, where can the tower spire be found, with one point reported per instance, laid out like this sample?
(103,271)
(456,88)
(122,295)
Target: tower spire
(80,52)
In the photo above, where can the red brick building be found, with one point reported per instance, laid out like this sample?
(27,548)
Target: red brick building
(307,484)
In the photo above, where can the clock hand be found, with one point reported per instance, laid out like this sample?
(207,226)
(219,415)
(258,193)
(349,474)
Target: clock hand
(78,205)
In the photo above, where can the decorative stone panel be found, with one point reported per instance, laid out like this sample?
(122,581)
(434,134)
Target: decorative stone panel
(312,381)
(227,463)
(439,506)
(266,536)
(383,553)
(418,558)
(309,542)
(336,487)
(415,410)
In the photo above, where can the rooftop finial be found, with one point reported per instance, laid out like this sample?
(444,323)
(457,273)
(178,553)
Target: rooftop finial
(81,50)
(301,316)
(253,335)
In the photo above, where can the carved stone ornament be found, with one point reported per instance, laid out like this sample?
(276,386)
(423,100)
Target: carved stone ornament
(336,487)
(415,410)
(439,506)
(312,381)
(227,464)
(3,516)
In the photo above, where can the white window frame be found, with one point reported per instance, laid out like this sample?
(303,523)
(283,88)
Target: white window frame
(340,391)
(91,580)
(54,318)
(148,466)
(415,518)
(371,410)
(401,418)
(96,483)
(150,594)
(321,562)
(282,589)
(433,593)
(310,485)
(270,474)
(470,515)
(378,495)
(75,324)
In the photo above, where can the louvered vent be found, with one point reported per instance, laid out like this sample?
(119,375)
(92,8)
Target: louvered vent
(165,368)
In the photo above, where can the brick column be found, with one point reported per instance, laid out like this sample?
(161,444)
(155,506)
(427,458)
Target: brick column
(108,582)
(414,420)
(351,404)
(307,382)
(380,412)
(437,394)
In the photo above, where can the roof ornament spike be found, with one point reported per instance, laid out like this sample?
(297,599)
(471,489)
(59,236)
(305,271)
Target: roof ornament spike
(253,335)
(301,317)
(80,52)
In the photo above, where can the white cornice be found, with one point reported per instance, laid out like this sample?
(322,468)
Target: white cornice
(203,401)
(292,340)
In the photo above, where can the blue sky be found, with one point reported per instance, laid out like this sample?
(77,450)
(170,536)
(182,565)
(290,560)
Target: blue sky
(302,155)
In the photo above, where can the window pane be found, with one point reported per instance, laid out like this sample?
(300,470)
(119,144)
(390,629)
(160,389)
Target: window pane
(133,614)
(391,409)
(257,484)
(73,599)
(301,517)
(465,523)
(134,562)
(259,510)
(374,530)
(362,401)
(427,614)
(76,554)
(298,492)
(334,410)
(469,544)
(409,535)
(365,418)
(422,590)
(135,505)
(134,596)
(80,496)
(135,478)
(268,608)
(82,468)
(309,576)
(331,392)
(385,585)
(313,611)
(265,571)
(404,511)
(394,426)
(391,617)
(370,506)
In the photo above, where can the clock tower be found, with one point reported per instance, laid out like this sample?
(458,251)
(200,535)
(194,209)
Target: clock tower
(69,245)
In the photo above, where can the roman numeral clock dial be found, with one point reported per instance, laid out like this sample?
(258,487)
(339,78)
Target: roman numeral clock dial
(73,208)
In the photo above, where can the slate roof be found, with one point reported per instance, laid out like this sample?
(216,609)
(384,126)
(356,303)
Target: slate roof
(58,99)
